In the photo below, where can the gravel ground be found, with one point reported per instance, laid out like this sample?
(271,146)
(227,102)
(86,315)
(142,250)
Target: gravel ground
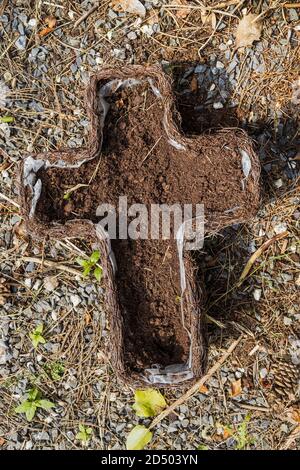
(253,401)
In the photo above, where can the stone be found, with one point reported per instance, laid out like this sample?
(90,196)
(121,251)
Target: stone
(132,35)
(50,283)
(21,43)
(218,105)
(257,294)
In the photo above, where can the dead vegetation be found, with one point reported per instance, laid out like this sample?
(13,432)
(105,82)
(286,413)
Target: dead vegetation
(84,388)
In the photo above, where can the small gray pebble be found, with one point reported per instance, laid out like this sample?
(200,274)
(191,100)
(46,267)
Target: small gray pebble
(21,43)
(132,35)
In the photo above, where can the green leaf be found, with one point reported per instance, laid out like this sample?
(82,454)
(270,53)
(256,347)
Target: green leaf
(31,411)
(84,433)
(39,328)
(33,394)
(148,402)
(55,370)
(82,262)
(138,438)
(7,119)
(98,273)
(36,339)
(23,407)
(67,196)
(86,271)
(45,404)
(202,447)
(95,256)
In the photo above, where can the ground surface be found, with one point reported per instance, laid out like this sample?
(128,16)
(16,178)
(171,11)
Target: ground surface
(42,77)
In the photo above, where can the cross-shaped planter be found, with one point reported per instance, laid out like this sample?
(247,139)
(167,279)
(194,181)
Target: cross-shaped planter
(136,149)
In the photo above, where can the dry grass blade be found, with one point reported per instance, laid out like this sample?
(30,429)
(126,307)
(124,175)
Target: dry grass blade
(8,199)
(86,15)
(258,253)
(52,264)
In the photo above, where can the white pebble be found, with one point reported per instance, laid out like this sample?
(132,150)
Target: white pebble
(32,23)
(27,283)
(278,183)
(21,43)
(75,299)
(132,35)
(287,321)
(280,228)
(50,283)
(218,105)
(263,373)
(257,294)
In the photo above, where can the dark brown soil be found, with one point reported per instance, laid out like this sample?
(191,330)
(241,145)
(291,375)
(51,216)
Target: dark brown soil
(138,161)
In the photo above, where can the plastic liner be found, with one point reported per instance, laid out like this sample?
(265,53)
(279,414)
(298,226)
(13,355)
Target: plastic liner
(104,84)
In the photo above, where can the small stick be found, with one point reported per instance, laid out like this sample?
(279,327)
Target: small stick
(152,148)
(11,201)
(52,264)
(253,407)
(292,5)
(3,6)
(295,434)
(258,252)
(195,388)
(86,15)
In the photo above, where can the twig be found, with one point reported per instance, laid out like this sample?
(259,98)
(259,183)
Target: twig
(258,253)
(295,434)
(3,6)
(292,5)
(203,7)
(11,201)
(86,15)
(52,264)
(195,388)
(152,148)
(215,321)
(252,407)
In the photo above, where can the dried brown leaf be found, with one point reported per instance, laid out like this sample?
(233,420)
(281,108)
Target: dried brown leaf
(213,21)
(248,31)
(182,12)
(236,388)
(50,21)
(45,31)
(203,389)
